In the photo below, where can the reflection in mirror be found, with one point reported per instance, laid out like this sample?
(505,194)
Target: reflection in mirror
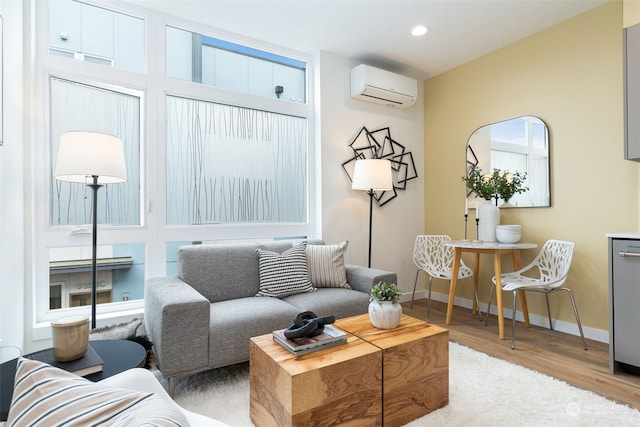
(516,145)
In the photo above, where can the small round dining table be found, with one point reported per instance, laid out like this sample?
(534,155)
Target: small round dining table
(496,249)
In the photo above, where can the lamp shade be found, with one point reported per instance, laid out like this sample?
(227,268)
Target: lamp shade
(82,155)
(372,174)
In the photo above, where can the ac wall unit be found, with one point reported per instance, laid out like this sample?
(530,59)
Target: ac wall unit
(383,87)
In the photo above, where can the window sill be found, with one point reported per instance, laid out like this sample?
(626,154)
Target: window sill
(42,330)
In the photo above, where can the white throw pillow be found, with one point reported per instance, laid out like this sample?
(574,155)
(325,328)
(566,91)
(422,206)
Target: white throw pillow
(284,274)
(45,396)
(326,265)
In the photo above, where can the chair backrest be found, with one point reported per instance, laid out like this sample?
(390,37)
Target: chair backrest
(554,260)
(430,255)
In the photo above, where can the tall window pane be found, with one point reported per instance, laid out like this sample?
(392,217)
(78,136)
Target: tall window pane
(77,106)
(230,164)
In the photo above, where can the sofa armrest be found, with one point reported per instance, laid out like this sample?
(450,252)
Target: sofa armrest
(362,278)
(176,318)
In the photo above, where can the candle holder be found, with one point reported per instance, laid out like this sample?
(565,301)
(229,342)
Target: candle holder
(466,220)
(477,226)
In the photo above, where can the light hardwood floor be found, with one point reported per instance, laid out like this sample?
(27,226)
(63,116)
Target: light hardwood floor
(553,353)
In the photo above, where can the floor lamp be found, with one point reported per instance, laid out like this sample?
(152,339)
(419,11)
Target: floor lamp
(94,159)
(372,175)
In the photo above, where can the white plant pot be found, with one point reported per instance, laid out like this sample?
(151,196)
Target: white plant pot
(489,218)
(385,314)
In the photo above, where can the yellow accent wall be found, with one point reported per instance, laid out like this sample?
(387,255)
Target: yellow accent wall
(631,12)
(570,76)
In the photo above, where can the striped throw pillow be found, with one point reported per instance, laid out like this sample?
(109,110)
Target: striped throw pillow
(284,274)
(45,396)
(326,265)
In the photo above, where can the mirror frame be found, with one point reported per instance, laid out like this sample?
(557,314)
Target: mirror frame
(476,152)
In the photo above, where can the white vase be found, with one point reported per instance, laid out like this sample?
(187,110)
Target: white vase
(489,215)
(385,314)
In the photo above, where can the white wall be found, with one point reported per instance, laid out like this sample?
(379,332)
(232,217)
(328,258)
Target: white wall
(13,176)
(345,213)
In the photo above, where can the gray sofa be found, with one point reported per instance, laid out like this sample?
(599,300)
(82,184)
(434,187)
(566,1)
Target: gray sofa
(203,318)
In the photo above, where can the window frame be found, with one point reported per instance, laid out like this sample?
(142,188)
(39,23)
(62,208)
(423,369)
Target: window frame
(155,85)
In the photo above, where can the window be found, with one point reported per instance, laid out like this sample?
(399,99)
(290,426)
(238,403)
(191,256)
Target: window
(217,147)
(78,106)
(100,36)
(230,164)
(227,65)
(120,275)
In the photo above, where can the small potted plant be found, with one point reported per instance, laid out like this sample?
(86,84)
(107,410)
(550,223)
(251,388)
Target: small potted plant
(384,309)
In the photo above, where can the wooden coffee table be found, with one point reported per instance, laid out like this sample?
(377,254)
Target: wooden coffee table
(380,377)
(415,365)
(341,385)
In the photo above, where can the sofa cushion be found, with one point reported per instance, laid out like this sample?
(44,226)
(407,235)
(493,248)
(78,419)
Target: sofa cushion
(234,322)
(338,302)
(326,265)
(284,274)
(47,396)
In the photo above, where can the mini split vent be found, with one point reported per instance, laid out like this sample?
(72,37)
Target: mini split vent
(383,87)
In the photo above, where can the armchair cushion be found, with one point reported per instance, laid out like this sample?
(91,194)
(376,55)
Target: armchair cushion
(284,274)
(47,396)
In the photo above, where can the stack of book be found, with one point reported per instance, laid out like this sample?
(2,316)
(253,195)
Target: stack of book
(90,363)
(330,337)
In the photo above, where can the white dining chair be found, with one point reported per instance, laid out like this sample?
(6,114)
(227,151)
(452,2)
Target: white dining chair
(436,260)
(545,274)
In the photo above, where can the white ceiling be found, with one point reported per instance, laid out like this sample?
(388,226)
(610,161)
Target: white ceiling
(376,32)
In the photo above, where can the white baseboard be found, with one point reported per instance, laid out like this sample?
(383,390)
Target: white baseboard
(534,319)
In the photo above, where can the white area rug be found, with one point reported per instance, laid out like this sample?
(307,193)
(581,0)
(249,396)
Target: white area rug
(483,391)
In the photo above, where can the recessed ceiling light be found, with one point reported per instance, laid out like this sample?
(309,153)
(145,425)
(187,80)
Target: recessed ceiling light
(419,30)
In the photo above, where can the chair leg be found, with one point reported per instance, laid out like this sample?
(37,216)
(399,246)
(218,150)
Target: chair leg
(429,302)
(513,320)
(415,282)
(486,320)
(548,311)
(575,311)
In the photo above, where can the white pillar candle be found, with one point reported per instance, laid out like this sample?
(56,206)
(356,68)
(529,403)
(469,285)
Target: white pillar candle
(466,206)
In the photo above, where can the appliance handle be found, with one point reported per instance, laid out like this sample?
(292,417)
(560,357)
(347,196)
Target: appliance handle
(631,254)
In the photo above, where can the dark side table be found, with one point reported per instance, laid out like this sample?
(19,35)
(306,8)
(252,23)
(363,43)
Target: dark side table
(117,355)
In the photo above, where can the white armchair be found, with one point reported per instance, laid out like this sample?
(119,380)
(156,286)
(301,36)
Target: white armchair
(143,380)
(46,395)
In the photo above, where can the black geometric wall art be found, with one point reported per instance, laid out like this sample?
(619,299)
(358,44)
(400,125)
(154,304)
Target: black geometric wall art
(378,144)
